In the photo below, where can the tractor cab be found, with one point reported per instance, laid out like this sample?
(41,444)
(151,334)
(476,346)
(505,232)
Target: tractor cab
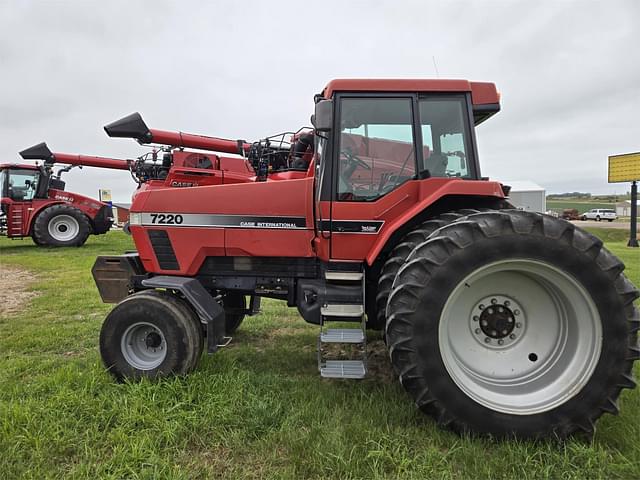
(19,183)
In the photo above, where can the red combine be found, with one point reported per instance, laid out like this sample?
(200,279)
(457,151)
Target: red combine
(497,321)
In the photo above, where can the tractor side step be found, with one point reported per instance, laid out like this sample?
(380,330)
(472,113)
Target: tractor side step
(342,335)
(336,275)
(343,369)
(342,310)
(342,352)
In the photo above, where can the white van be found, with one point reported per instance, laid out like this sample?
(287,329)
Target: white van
(598,214)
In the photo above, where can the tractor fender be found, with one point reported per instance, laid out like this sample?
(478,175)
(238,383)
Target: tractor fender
(208,310)
(449,196)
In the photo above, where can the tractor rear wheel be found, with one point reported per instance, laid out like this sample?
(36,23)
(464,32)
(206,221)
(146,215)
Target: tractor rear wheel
(398,256)
(512,323)
(61,226)
(150,334)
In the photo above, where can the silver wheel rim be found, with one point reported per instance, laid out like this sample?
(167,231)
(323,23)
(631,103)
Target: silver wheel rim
(63,228)
(143,346)
(520,336)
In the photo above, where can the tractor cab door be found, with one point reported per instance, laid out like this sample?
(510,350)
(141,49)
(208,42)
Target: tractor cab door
(375,162)
(19,189)
(389,150)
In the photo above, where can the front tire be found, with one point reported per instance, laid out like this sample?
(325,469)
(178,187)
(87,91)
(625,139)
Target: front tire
(61,226)
(150,334)
(513,323)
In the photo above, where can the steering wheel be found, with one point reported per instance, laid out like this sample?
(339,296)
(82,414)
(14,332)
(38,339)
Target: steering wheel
(355,160)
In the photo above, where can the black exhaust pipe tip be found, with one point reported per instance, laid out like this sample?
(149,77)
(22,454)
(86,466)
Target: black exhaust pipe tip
(131,126)
(38,152)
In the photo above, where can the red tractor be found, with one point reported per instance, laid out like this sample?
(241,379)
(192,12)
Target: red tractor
(497,321)
(34,203)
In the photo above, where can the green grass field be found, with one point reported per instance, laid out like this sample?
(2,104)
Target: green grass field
(257,409)
(581,206)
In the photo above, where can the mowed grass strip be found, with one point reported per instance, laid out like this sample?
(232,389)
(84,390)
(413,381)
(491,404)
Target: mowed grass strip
(257,409)
(580,205)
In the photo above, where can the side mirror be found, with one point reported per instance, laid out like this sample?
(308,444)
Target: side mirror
(322,119)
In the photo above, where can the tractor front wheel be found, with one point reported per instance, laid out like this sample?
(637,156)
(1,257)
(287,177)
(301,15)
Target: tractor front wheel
(513,323)
(61,226)
(150,334)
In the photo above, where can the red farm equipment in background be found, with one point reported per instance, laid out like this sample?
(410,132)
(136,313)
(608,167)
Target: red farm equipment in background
(34,202)
(30,193)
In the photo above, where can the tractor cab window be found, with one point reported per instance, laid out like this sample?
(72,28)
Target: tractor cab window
(445,137)
(377,152)
(23,184)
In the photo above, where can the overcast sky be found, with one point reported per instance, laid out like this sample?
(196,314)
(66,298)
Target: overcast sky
(568,71)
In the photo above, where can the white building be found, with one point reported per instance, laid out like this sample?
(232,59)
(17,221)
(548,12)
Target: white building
(623,209)
(528,196)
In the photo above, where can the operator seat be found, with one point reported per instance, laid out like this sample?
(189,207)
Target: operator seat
(436,164)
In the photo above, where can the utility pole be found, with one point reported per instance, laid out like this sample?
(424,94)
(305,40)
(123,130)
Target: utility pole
(633,234)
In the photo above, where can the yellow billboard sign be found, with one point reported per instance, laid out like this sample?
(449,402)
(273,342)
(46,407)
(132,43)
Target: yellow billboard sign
(624,168)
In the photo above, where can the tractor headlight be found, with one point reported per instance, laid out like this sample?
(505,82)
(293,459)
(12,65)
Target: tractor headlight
(135,219)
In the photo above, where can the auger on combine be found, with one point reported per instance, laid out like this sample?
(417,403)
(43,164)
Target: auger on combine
(497,321)
(35,203)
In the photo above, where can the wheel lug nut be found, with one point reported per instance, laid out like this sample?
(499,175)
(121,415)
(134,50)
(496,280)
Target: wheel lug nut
(494,301)
(512,336)
(494,333)
(500,342)
(476,318)
(504,332)
(484,323)
(481,306)
(516,312)
(477,330)
(487,340)
(500,309)
(518,325)
(507,303)
(510,320)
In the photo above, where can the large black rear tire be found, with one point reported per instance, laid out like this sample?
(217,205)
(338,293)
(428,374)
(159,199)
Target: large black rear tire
(512,323)
(61,226)
(150,334)
(398,256)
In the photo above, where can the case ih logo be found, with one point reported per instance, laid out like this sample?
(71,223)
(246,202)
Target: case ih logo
(175,183)
(64,198)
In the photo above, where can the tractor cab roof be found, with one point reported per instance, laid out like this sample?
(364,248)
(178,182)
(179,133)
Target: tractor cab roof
(484,95)
(22,166)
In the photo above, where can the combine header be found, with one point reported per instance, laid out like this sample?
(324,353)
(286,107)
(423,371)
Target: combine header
(497,321)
